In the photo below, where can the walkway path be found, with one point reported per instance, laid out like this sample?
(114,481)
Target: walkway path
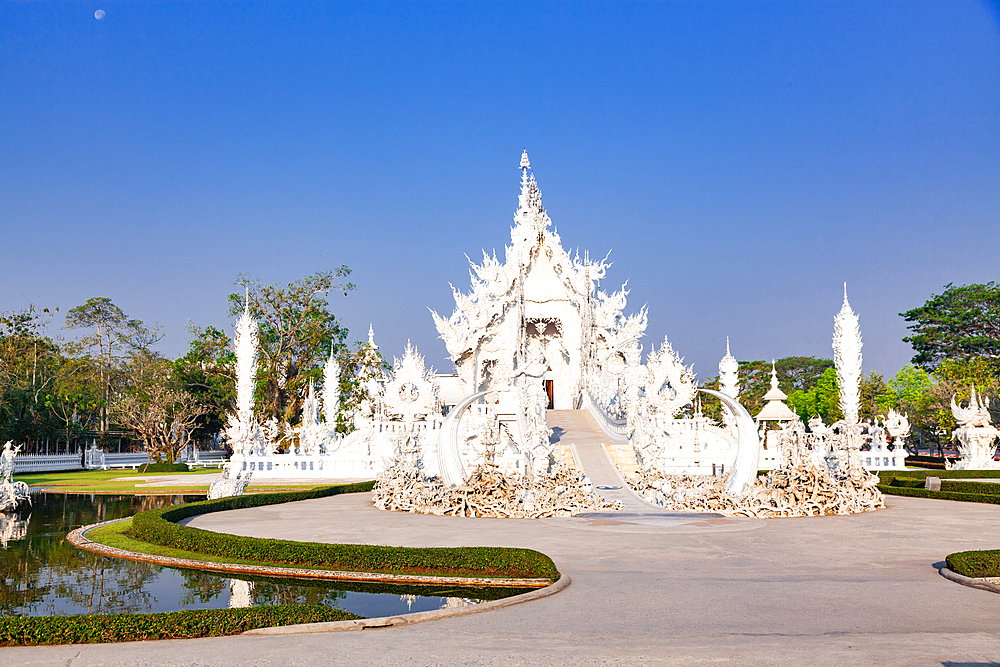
(578,428)
(822,591)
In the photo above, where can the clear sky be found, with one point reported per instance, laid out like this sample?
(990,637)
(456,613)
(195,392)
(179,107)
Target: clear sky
(741,160)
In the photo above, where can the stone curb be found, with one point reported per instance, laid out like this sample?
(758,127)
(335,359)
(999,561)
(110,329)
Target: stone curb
(417,617)
(78,538)
(971,582)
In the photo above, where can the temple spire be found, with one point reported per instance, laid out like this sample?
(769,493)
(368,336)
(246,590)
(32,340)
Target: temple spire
(525,163)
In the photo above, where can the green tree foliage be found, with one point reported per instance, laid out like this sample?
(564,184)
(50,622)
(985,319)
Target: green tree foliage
(29,364)
(794,373)
(961,323)
(112,336)
(871,389)
(296,333)
(823,399)
(207,373)
(151,404)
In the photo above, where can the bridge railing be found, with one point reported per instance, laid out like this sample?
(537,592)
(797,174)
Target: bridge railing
(615,429)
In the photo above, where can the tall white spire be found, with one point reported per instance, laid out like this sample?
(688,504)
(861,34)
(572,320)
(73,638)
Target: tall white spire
(331,388)
(729,374)
(847,358)
(371,337)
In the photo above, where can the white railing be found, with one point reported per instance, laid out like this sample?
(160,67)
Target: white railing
(95,458)
(615,429)
(25,463)
(880,458)
(202,459)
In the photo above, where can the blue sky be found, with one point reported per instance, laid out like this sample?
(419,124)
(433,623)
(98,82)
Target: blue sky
(740,160)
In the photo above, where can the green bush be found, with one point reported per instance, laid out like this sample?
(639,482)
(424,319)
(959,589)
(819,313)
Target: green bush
(159,527)
(982,488)
(163,467)
(99,628)
(921,492)
(975,563)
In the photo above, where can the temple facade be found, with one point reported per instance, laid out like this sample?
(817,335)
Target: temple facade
(539,303)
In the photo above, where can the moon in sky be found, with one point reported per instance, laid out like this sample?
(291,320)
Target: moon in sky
(99,14)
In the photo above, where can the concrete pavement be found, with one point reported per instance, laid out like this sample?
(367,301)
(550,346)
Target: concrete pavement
(841,590)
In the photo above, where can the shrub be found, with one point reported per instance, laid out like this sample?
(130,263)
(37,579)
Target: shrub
(158,527)
(99,628)
(975,563)
(163,467)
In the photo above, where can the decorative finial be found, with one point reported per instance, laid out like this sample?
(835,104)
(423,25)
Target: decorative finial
(371,335)
(524,160)
(727,347)
(845,291)
(246,301)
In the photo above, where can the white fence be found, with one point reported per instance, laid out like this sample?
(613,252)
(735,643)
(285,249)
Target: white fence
(202,459)
(25,463)
(97,459)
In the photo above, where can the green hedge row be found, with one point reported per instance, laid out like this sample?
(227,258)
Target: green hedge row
(975,563)
(159,527)
(163,467)
(99,628)
(921,492)
(983,488)
(943,474)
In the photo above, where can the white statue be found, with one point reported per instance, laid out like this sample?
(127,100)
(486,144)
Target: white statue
(12,493)
(898,426)
(228,484)
(975,433)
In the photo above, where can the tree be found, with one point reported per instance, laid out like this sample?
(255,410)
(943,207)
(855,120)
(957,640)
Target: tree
(151,405)
(29,361)
(794,373)
(821,400)
(911,391)
(207,373)
(961,323)
(114,335)
(296,334)
(871,390)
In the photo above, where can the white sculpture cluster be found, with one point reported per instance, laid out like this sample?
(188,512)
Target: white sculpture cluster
(12,493)
(229,484)
(976,435)
(819,471)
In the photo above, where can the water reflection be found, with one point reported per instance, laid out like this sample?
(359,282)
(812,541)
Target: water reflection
(42,574)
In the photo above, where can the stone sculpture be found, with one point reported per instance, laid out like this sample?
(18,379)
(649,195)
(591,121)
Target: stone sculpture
(12,493)
(975,433)
(229,484)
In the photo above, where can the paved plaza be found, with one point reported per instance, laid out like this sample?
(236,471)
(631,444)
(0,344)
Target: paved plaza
(647,587)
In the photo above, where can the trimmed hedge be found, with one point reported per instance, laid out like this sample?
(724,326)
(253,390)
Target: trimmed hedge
(939,495)
(159,527)
(163,467)
(943,474)
(975,563)
(981,488)
(100,628)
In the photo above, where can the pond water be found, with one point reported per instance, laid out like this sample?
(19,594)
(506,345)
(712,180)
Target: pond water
(43,574)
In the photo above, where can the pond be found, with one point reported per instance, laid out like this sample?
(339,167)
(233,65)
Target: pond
(43,574)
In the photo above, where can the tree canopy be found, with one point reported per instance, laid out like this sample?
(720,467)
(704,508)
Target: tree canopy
(296,334)
(960,323)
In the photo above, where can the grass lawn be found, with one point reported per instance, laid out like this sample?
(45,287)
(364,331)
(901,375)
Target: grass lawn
(100,481)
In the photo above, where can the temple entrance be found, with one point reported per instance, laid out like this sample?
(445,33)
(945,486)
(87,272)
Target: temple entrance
(550,392)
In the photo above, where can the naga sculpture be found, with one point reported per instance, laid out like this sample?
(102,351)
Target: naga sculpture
(12,493)
(975,433)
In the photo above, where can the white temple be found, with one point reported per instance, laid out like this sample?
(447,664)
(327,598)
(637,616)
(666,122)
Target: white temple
(535,332)
(540,301)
